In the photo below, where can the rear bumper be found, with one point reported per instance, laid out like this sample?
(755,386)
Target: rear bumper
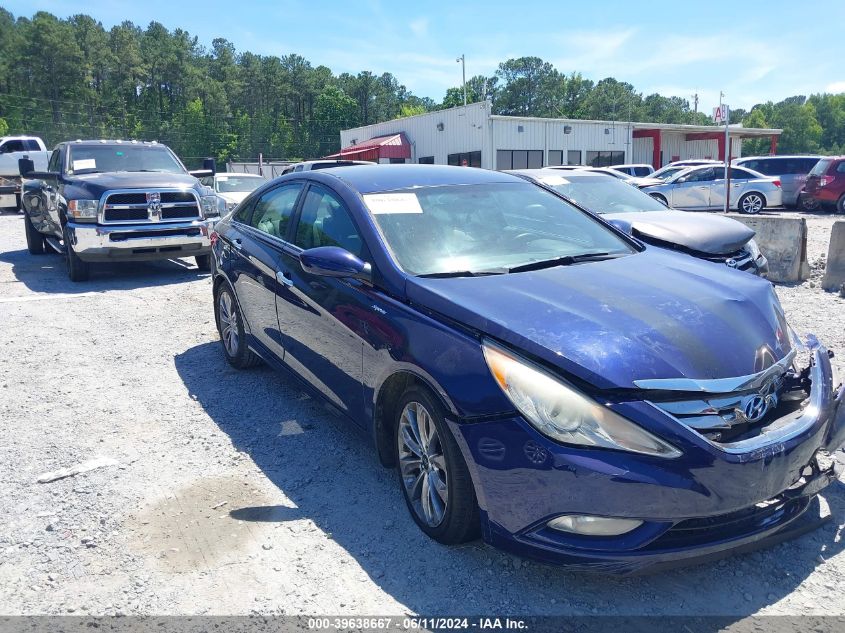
(140,242)
(710,502)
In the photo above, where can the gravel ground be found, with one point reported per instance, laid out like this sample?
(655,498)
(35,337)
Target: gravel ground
(266,503)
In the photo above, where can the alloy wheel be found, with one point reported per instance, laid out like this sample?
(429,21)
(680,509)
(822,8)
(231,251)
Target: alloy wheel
(422,464)
(752,203)
(228,316)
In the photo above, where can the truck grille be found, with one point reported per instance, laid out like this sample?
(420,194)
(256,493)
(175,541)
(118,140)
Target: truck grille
(135,207)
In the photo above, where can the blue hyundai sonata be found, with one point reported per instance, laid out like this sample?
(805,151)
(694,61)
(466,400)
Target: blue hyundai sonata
(535,375)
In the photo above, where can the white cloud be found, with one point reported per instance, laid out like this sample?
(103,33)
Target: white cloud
(419,27)
(836,87)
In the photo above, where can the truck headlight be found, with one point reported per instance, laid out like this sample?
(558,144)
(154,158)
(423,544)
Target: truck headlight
(83,210)
(753,249)
(213,206)
(564,414)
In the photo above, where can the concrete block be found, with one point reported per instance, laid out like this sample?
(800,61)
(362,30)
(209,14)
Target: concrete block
(784,243)
(834,273)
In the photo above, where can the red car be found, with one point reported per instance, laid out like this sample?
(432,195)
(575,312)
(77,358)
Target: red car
(825,184)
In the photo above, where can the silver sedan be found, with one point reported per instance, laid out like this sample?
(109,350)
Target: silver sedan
(703,187)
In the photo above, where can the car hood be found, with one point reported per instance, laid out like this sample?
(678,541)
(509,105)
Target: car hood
(656,314)
(234,196)
(100,183)
(700,232)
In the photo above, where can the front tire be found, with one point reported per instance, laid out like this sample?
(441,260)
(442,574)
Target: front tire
(203,262)
(77,269)
(230,326)
(433,476)
(34,240)
(751,203)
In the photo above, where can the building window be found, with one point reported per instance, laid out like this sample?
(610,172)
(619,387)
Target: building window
(605,158)
(573,157)
(519,159)
(397,161)
(555,157)
(426,160)
(465,159)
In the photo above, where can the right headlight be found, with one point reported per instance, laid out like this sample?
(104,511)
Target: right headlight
(564,414)
(752,248)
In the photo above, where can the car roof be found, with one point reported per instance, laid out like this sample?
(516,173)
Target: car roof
(816,156)
(377,178)
(630,165)
(116,142)
(238,173)
(575,174)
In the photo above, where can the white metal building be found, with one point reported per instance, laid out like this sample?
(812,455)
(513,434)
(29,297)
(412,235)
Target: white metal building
(470,135)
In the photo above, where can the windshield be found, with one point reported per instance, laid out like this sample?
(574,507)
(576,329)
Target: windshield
(602,195)
(666,172)
(820,168)
(92,159)
(234,184)
(485,228)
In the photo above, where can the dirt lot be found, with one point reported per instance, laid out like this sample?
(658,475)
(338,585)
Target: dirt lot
(236,493)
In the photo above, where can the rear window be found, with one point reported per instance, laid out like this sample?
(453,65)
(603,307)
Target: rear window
(821,167)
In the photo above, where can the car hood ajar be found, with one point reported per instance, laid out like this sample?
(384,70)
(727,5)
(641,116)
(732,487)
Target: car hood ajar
(98,184)
(696,231)
(651,315)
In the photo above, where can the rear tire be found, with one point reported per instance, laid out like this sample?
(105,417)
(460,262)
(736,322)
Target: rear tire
(230,326)
(426,454)
(203,262)
(660,198)
(77,269)
(34,240)
(840,204)
(751,203)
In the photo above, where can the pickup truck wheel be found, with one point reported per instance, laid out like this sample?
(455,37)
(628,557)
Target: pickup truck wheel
(34,239)
(77,269)
(230,325)
(203,262)
(433,476)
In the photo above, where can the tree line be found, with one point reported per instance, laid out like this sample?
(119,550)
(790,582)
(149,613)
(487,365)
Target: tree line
(72,78)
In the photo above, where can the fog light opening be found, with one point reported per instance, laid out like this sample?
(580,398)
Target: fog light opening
(593,526)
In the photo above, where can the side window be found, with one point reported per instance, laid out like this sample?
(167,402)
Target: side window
(324,221)
(807,165)
(273,210)
(31,145)
(740,174)
(840,168)
(55,161)
(15,145)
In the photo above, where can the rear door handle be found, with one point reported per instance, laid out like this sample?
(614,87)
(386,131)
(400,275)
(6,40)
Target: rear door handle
(284,278)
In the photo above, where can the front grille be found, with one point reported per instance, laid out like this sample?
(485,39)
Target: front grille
(741,259)
(133,207)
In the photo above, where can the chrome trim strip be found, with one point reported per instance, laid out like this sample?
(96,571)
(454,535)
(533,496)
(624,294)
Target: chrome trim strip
(718,385)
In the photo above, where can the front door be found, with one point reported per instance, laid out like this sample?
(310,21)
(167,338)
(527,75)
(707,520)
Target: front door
(694,191)
(320,317)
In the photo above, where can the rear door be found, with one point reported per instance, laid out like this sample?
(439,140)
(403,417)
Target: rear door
(257,240)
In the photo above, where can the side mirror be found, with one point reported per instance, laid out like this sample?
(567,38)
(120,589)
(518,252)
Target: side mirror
(622,225)
(26,166)
(333,261)
(210,164)
(682,180)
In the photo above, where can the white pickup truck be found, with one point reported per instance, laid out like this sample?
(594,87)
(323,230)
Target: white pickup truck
(13,148)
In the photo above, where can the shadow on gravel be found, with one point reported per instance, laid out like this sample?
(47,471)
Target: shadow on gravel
(328,468)
(47,273)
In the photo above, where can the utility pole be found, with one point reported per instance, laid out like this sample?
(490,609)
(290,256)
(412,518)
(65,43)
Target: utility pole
(463,62)
(695,103)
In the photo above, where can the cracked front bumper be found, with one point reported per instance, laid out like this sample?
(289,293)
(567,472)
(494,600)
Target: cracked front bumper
(93,242)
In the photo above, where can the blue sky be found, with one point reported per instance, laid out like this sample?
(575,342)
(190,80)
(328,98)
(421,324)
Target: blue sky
(753,51)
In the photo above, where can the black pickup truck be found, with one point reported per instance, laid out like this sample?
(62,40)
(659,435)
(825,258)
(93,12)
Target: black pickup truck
(117,201)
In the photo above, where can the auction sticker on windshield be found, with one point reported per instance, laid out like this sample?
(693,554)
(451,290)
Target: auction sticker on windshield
(384,203)
(85,163)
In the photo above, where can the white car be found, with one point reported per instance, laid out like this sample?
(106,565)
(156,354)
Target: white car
(233,187)
(703,188)
(326,163)
(638,170)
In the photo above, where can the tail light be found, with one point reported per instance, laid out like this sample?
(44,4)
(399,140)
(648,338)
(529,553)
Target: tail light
(824,181)
(776,183)
(213,238)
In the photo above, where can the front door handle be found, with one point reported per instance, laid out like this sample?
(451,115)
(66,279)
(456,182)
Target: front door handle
(284,278)
(237,243)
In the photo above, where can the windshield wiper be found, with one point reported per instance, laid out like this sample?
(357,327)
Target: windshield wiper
(461,273)
(566,260)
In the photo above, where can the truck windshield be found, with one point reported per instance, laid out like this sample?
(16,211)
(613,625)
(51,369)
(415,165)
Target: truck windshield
(88,159)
